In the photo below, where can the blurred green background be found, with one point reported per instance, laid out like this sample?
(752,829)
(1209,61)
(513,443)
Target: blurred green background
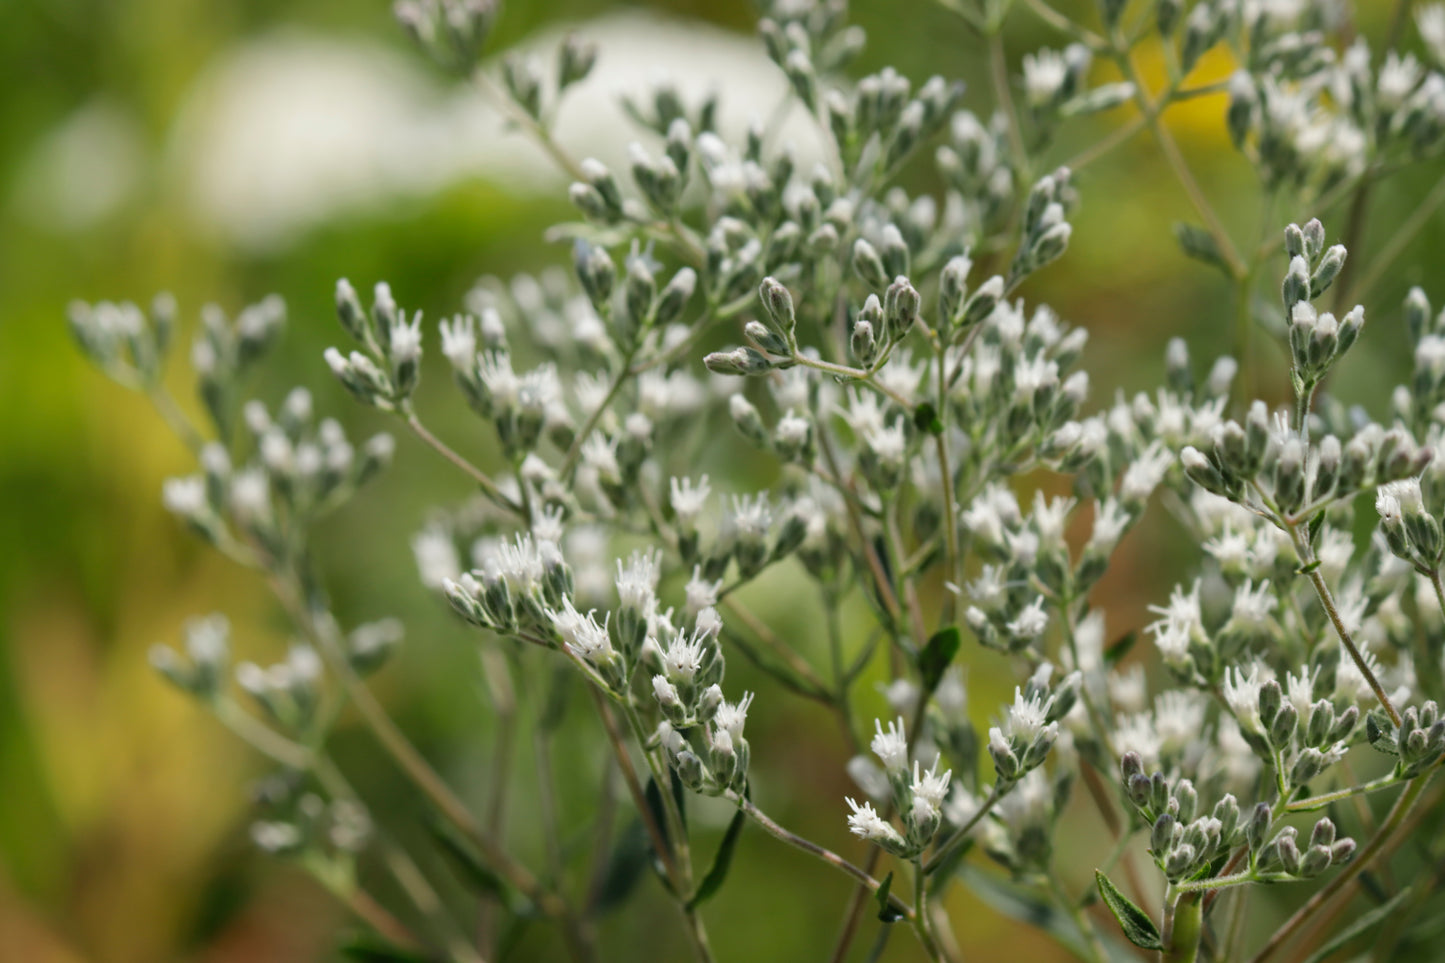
(144,145)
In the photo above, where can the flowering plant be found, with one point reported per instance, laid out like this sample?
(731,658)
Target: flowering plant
(906,389)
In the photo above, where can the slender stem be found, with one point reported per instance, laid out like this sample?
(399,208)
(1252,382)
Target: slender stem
(575,451)
(1322,589)
(634,786)
(1170,149)
(1104,145)
(808,846)
(857,374)
(379,918)
(769,638)
(174,417)
(488,487)
(1321,801)
(1359,864)
(998,70)
(944,849)
(1063,24)
(539,133)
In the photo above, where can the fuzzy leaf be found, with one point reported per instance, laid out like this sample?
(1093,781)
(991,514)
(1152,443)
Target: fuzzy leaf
(1138,927)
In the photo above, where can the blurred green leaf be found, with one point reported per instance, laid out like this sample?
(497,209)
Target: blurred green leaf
(1137,925)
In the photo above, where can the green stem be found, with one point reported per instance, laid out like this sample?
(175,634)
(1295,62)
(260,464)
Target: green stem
(1181,943)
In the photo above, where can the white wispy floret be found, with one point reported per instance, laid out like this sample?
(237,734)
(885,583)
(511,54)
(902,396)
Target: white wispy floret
(1253,606)
(700,593)
(731,716)
(637,580)
(891,745)
(459,343)
(683,657)
(1179,719)
(689,498)
(1181,624)
(1128,688)
(582,635)
(1145,473)
(1031,621)
(867,824)
(991,514)
(1044,73)
(1241,692)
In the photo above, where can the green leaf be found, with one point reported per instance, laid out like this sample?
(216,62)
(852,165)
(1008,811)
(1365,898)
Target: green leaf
(713,881)
(472,871)
(1138,927)
(925,418)
(1116,652)
(629,859)
(1307,569)
(1317,522)
(887,912)
(1358,927)
(934,660)
(1197,243)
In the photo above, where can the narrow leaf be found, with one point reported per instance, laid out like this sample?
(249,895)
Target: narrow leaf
(713,881)
(625,867)
(474,874)
(935,657)
(1116,652)
(1197,243)
(370,949)
(1358,927)
(1138,927)
(887,912)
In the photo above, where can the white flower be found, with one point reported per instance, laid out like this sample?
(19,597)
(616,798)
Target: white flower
(1044,73)
(459,343)
(930,786)
(1145,473)
(1241,691)
(701,594)
(891,746)
(1110,520)
(1300,688)
(1128,687)
(1031,621)
(991,514)
(688,499)
(1398,77)
(436,556)
(637,581)
(684,656)
(1049,516)
(665,692)
(1027,718)
(1253,607)
(1178,719)
(1430,20)
(867,824)
(1136,733)
(731,716)
(888,444)
(581,633)
(1181,625)
(185,496)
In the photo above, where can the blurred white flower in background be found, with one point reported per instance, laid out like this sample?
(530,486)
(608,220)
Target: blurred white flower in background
(289,131)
